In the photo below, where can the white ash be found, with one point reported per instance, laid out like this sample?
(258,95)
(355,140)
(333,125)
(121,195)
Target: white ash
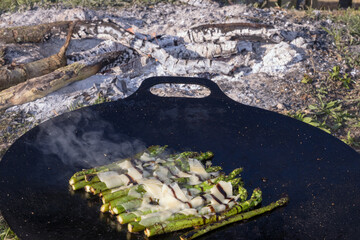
(22,53)
(199,3)
(180,90)
(101,48)
(39,16)
(252,65)
(277,59)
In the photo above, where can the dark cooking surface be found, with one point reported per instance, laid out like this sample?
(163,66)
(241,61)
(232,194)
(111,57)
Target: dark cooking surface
(280,155)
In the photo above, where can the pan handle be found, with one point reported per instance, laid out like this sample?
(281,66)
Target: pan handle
(144,89)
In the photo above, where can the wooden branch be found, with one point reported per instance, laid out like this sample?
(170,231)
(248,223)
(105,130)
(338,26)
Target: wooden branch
(42,32)
(229,27)
(11,75)
(232,31)
(39,87)
(145,45)
(33,34)
(2,54)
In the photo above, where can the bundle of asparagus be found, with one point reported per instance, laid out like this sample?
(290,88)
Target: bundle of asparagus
(159,193)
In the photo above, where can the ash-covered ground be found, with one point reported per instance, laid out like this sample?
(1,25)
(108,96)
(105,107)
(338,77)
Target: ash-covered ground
(257,56)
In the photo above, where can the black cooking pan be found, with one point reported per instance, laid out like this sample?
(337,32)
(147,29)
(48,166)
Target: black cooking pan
(280,155)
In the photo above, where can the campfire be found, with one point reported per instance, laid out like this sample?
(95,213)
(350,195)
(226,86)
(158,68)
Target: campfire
(52,66)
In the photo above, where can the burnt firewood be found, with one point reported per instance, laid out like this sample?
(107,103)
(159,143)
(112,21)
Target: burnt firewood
(145,45)
(34,33)
(13,74)
(2,55)
(221,32)
(38,87)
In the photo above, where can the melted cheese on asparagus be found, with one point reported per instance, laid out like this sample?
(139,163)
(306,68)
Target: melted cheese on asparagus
(158,177)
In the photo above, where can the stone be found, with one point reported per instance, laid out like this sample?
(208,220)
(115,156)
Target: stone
(280,106)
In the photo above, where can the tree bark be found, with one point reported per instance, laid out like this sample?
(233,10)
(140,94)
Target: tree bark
(42,32)
(33,34)
(41,86)
(2,54)
(11,75)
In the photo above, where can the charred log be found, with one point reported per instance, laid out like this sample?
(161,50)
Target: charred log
(14,74)
(33,34)
(2,54)
(231,31)
(41,86)
(229,27)
(147,46)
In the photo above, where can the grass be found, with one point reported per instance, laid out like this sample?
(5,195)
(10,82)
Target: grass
(334,116)
(335,93)
(101,99)
(331,113)
(329,116)
(345,79)
(346,33)
(351,19)
(15,5)
(351,140)
(77,105)
(5,232)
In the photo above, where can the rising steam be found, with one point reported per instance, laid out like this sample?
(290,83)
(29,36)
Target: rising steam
(87,142)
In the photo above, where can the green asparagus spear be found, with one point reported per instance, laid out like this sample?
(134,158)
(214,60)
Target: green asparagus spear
(132,204)
(206,156)
(239,217)
(83,183)
(213,169)
(124,198)
(111,196)
(207,185)
(121,203)
(92,176)
(96,188)
(137,227)
(99,187)
(78,176)
(171,226)
(181,159)
(234,174)
(156,150)
(242,193)
(105,207)
(254,200)
(236,182)
(132,216)
(200,156)
(127,217)
(121,200)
